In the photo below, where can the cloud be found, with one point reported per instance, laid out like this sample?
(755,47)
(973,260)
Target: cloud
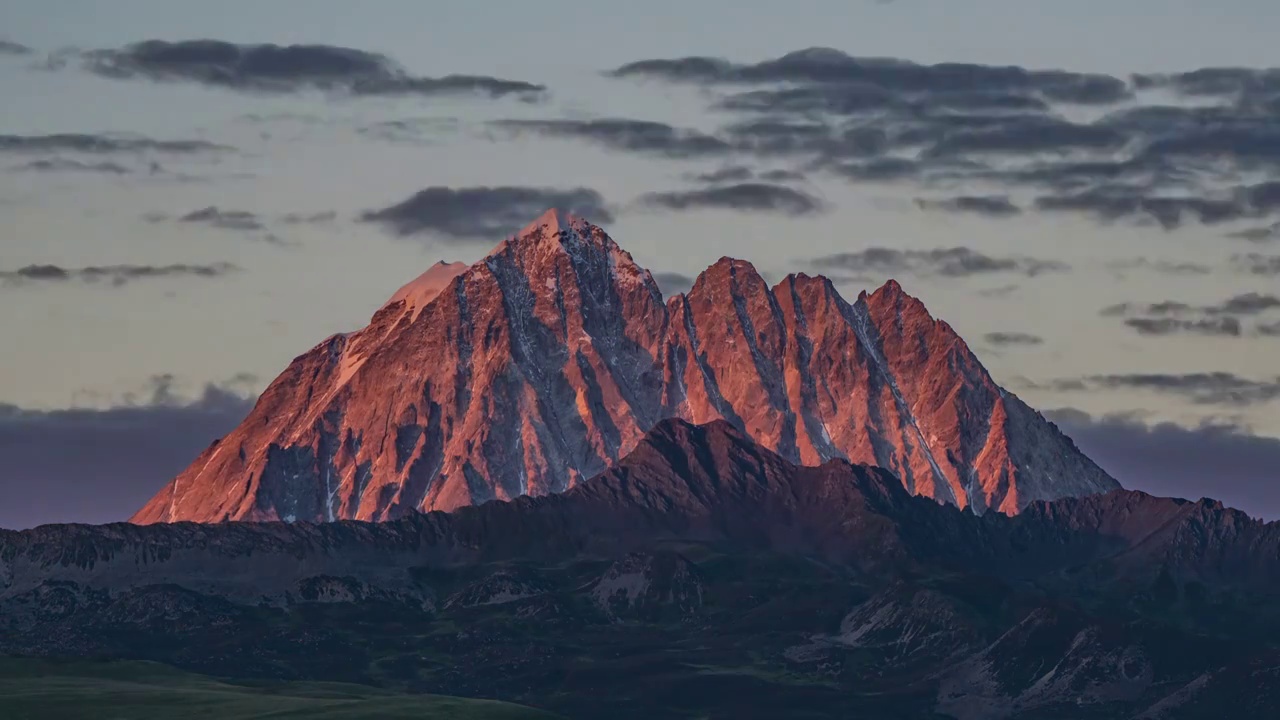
(53,165)
(411,130)
(887,169)
(780,175)
(760,197)
(672,283)
(1164,267)
(1223,461)
(854,99)
(1023,135)
(1252,148)
(742,173)
(638,136)
(1006,339)
(103,144)
(885,120)
(1220,81)
(825,66)
(946,262)
(1258,264)
(269,68)
(1172,317)
(8,47)
(122,455)
(116,275)
(239,221)
(1258,234)
(1115,203)
(1250,303)
(1211,388)
(483,213)
(1213,327)
(316,218)
(995,206)
(772,136)
(224,219)
(730,173)
(998,292)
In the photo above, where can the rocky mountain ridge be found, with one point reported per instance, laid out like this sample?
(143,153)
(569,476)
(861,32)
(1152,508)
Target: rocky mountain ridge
(548,360)
(702,575)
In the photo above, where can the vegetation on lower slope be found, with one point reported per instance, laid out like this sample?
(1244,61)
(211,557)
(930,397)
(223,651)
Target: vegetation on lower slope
(49,690)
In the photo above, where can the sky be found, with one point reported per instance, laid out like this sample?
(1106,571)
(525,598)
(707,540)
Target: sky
(1097,215)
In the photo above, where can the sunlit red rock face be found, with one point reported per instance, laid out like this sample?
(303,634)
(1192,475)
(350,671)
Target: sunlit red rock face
(542,364)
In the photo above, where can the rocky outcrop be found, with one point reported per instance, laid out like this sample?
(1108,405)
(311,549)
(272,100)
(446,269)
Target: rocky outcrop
(547,361)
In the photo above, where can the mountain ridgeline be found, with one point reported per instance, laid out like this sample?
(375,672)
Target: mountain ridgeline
(548,360)
(702,575)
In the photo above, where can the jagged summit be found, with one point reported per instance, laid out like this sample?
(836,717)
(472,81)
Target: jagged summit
(548,360)
(554,226)
(555,220)
(420,291)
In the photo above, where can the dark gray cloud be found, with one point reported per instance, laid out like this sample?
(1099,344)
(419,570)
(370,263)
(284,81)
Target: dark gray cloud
(269,68)
(638,136)
(825,66)
(1007,339)
(1230,82)
(1131,176)
(1022,136)
(760,197)
(1211,388)
(316,218)
(1258,264)
(946,262)
(1267,233)
(123,455)
(941,139)
(1222,461)
(1173,317)
(887,120)
(483,213)
(995,206)
(888,169)
(780,175)
(742,173)
(1168,307)
(999,291)
(1213,327)
(103,144)
(1164,267)
(854,99)
(55,165)
(672,283)
(772,136)
(8,47)
(239,221)
(1250,148)
(1110,204)
(115,275)
(731,173)
(214,216)
(1250,303)
(412,130)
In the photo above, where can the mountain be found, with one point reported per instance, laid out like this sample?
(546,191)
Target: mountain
(702,575)
(548,360)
